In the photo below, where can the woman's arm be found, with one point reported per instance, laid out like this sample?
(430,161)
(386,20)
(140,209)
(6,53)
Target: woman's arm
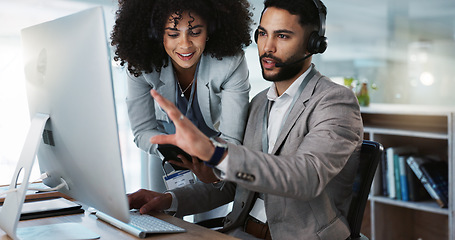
(234,102)
(141,112)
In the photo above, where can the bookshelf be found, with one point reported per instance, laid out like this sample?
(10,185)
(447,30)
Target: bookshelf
(431,130)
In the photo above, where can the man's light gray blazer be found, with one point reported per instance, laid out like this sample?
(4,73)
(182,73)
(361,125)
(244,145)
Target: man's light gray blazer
(307,181)
(222,90)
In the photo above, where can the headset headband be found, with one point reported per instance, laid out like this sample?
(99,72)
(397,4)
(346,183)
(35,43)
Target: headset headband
(321,31)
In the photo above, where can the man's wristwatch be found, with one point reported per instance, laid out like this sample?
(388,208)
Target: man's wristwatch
(220,148)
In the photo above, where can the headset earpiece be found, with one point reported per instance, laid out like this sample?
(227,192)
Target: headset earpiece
(256,34)
(316,43)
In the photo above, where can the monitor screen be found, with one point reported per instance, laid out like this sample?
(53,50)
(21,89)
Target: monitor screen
(68,76)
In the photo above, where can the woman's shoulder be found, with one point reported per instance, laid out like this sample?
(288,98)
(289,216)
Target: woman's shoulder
(221,69)
(224,62)
(151,78)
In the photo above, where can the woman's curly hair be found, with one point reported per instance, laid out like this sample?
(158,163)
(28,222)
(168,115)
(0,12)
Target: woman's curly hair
(139,27)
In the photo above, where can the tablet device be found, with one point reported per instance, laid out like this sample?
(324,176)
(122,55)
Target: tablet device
(49,207)
(170,152)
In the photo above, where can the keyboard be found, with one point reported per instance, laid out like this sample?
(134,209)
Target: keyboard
(141,224)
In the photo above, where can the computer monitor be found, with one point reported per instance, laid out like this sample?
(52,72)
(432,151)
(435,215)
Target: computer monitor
(70,94)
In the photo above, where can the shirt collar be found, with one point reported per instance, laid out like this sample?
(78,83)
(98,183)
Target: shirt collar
(291,91)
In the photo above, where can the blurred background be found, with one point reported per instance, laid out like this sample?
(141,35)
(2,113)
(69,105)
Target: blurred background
(404,50)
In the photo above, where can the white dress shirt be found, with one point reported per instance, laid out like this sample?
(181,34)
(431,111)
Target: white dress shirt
(280,106)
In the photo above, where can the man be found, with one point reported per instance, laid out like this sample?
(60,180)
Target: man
(301,143)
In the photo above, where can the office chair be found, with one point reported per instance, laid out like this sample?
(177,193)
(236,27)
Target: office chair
(370,155)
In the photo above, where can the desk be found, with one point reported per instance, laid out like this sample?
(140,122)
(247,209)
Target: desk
(107,231)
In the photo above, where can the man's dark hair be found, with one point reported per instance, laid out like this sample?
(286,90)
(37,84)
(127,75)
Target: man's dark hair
(305,9)
(139,27)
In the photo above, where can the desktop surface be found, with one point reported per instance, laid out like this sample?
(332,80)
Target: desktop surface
(106,231)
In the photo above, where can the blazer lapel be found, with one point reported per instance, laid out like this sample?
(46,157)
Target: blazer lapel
(256,142)
(296,111)
(166,85)
(163,82)
(203,81)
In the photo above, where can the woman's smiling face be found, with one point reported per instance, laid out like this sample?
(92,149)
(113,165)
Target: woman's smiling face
(184,39)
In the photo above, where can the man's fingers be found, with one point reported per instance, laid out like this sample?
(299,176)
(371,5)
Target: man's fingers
(163,139)
(184,159)
(163,102)
(137,199)
(178,163)
(183,163)
(194,160)
(172,111)
(150,206)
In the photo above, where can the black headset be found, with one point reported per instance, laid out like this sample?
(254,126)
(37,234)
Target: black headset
(317,42)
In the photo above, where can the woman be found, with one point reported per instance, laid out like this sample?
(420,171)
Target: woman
(191,52)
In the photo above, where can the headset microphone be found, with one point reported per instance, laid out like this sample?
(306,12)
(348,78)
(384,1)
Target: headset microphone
(292,63)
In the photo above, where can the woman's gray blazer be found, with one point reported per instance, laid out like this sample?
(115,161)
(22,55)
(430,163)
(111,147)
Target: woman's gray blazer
(223,95)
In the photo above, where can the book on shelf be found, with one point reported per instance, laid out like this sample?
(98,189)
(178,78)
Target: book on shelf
(434,177)
(396,176)
(416,190)
(383,164)
(403,179)
(437,174)
(392,175)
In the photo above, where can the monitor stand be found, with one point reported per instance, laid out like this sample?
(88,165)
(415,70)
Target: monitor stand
(12,206)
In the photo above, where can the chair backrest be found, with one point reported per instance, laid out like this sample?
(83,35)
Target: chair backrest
(370,155)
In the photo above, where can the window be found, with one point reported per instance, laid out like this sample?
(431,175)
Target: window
(14,117)
(405,48)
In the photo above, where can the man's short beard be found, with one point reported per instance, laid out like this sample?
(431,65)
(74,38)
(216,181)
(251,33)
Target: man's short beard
(286,72)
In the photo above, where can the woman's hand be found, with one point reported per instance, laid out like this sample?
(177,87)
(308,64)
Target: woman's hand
(202,171)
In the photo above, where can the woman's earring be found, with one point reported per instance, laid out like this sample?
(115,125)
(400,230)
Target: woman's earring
(207,39)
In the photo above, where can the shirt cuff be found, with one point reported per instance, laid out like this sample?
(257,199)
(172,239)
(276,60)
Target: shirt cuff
(174,203)
(223,166)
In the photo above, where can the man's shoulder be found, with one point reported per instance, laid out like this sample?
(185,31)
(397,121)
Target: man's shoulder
(260,97)
(326,84)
